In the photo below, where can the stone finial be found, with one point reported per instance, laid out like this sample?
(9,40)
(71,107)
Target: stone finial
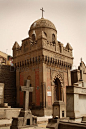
(68,46)
(81,59)
(15,46)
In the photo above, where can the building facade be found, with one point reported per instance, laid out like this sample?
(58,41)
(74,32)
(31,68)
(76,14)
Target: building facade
(46,63)
(8,77)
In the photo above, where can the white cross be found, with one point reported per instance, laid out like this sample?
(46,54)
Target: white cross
(27,89)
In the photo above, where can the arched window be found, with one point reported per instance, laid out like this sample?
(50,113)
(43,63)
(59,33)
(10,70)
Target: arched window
(20,64)
(33,37)
(53,38)
(15,64)
(33,59)
(60,48)
(45,34)
(25,62)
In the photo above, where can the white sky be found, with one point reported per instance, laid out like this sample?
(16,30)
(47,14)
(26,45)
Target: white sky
(68,16)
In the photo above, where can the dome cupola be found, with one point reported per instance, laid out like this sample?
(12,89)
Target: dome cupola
(43,25)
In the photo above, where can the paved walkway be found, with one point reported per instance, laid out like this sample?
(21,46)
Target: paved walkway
(44,118)
(42,122)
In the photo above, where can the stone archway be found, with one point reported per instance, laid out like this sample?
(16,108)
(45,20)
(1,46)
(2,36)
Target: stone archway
(58,88)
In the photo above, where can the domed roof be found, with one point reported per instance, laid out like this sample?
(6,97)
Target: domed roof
(42,23)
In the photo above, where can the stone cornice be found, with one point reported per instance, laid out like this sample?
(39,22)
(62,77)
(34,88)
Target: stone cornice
(44,59)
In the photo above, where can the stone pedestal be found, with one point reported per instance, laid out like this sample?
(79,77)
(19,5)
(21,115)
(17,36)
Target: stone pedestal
(59,109)
(76,101)
(25,119)
(5,123)
(54,123)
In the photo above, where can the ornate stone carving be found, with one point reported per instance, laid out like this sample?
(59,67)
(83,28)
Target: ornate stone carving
(58,75)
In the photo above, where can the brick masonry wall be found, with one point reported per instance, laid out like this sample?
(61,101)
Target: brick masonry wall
(49,98)
(8,77)
(37,87)
(65,84)
(21,94)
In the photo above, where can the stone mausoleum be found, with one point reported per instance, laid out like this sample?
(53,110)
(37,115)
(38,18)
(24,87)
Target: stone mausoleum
(46,63)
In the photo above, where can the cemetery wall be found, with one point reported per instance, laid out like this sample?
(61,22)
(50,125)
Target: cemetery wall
(8,77)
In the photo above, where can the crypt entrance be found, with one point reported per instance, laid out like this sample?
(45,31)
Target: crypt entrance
(59,107)
(58,90)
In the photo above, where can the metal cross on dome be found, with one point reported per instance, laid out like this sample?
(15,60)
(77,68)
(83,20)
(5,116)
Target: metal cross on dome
(42,11)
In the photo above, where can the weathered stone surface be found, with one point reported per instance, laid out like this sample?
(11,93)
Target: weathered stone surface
(9,112)
(5,124)
(69,125)
(76,94)
(76,102)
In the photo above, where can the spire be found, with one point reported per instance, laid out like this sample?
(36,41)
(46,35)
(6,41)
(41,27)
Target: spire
(68,46)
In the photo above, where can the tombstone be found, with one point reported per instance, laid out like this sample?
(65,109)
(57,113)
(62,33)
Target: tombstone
(5,123)
(76,95)
(2,104)
(25,118)
(1,94)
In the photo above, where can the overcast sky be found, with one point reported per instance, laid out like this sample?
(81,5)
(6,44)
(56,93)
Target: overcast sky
(68,16)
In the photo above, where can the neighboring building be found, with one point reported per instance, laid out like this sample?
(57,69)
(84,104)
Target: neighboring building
(5,59)
(8,77)
(47,63)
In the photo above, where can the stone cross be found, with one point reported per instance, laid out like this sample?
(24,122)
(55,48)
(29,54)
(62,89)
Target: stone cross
(81,70)
(27,89)
(42,12)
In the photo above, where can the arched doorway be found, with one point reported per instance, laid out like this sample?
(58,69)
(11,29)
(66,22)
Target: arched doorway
(58,90)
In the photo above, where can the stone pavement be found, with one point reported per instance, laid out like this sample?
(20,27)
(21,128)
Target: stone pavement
(42,122)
